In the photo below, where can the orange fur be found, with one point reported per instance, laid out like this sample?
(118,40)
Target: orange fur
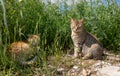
(22,50)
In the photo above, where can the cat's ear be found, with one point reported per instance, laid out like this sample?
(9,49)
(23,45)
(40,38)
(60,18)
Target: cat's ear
(72,20)
(82,20)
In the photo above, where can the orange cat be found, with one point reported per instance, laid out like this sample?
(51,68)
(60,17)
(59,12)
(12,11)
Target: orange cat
(84,42)
(21,51)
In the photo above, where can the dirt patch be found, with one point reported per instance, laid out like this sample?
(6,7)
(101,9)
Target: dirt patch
(110,66)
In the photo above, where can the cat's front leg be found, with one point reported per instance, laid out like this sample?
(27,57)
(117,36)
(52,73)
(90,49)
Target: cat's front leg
(77,50)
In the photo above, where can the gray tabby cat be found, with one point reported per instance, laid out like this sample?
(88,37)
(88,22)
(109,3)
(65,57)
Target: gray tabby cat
(84,42)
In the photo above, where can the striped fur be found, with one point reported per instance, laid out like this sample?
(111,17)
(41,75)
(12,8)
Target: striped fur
(84,42)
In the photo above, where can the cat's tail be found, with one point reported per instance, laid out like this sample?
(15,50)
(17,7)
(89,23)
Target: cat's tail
(111,56)
(29,61)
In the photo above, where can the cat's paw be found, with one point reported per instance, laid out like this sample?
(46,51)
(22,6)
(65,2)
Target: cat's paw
(75,56)
(85,58)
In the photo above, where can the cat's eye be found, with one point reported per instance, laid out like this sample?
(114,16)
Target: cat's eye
(79,26)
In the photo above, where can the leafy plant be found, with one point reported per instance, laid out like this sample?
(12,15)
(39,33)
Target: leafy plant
(52,22)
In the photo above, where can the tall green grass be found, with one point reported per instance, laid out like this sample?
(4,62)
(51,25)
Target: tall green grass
(52,23)
(103,21)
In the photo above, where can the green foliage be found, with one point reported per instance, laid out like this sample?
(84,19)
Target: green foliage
(52,23)
(102,21)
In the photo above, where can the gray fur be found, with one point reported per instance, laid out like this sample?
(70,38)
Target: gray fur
(84,42)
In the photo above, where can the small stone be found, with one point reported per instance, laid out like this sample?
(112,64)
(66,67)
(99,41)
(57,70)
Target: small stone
(75,67)
(60,69)
(84,72)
